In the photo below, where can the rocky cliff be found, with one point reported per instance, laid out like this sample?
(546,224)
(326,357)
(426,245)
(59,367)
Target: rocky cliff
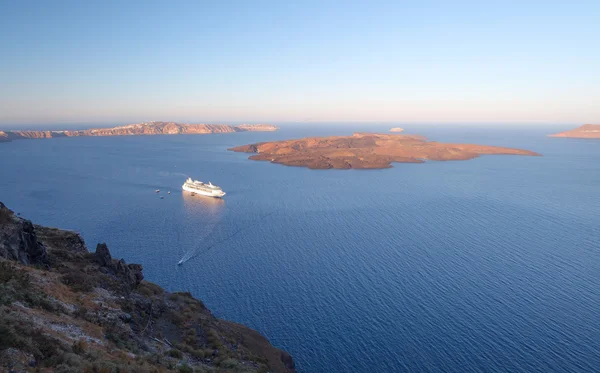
(587,131)
(146,128)
(18,239)
(64,309)
(256,127)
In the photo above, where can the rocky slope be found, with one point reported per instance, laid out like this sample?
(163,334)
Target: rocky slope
(587,131)
(66,310)
(147,128)
(366,150)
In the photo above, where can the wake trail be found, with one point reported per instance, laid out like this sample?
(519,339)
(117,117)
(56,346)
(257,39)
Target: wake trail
(194,253)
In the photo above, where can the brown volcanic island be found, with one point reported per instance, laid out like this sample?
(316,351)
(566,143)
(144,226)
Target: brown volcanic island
(366,150)
(587,131)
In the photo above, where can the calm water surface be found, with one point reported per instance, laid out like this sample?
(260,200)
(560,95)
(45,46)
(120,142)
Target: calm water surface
(485,265)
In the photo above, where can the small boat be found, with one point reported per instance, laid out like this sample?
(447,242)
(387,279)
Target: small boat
(162,197)
(169,192)
(157,190)
(180,262)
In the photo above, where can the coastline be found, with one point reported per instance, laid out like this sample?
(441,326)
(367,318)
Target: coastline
(139,129)
(586,131)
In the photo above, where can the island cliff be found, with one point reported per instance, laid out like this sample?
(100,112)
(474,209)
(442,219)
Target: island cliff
(587,131)
(146,128)
(66,310)
(366,150)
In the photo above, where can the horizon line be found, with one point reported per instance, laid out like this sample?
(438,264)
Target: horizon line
(71,125)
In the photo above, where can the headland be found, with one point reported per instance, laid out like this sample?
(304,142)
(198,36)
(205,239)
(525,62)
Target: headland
(587,131)
(65,309)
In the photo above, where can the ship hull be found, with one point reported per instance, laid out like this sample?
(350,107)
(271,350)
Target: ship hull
(203,193)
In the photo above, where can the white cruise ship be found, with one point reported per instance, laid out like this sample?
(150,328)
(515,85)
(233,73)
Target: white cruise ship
(199,187)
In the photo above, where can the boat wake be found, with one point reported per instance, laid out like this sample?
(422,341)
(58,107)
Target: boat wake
(195,251)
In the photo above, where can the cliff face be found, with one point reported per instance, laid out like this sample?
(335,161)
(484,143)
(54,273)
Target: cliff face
(36,134)
(76,311)
(147,128)
(256,127)
(366,150)
(155,128)
(18,239)
(587,131)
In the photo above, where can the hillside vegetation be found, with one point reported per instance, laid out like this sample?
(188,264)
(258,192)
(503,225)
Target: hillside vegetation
(66,310)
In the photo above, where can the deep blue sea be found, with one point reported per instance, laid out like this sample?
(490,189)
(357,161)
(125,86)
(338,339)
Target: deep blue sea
(487,265)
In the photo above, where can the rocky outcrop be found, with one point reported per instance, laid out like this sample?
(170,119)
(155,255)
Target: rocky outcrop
(130,274)
(146,128)
(88,312)
(103,256)
(587,131)
(59,239)
(18,239)
(366,151)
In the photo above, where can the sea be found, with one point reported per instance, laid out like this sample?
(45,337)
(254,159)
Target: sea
(485,265)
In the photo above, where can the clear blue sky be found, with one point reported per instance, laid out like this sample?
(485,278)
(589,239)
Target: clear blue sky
(253,61)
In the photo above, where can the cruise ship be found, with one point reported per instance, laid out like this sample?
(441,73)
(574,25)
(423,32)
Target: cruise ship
(199,187)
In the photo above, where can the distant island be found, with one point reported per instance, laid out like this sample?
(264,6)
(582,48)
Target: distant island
(146,128)
(587,131)
(366,151)
(396,129)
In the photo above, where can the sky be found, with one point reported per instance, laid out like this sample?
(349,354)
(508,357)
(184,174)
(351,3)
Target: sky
(117,62)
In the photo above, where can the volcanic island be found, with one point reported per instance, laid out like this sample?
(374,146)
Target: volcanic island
(587,131)
(367,151)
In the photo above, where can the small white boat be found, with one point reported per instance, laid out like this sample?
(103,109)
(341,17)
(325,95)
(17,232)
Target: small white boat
(157,190)
(180,262)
